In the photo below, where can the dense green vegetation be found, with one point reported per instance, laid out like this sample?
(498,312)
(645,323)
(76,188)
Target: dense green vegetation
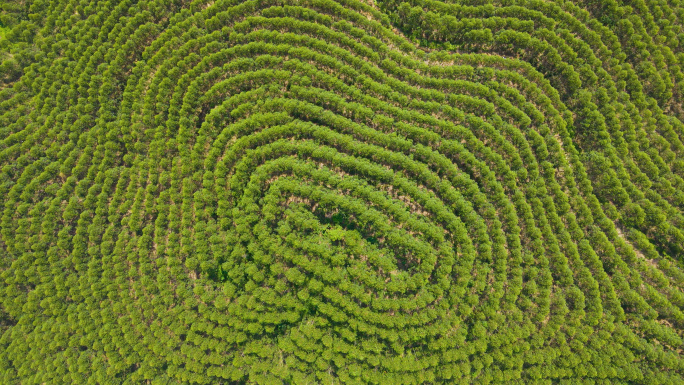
(342,191)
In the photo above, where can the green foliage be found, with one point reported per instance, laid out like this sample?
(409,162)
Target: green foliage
(391,192)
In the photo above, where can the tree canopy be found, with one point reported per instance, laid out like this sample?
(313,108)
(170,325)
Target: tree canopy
(341,191)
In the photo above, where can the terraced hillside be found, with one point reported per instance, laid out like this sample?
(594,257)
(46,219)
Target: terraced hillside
(352,191)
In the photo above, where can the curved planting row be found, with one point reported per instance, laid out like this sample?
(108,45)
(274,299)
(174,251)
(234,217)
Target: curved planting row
(342,192)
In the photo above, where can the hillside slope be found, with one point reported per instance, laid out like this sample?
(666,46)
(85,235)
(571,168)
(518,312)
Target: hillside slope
(320,191)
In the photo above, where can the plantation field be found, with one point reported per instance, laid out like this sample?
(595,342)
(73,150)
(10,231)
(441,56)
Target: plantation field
(342,192)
